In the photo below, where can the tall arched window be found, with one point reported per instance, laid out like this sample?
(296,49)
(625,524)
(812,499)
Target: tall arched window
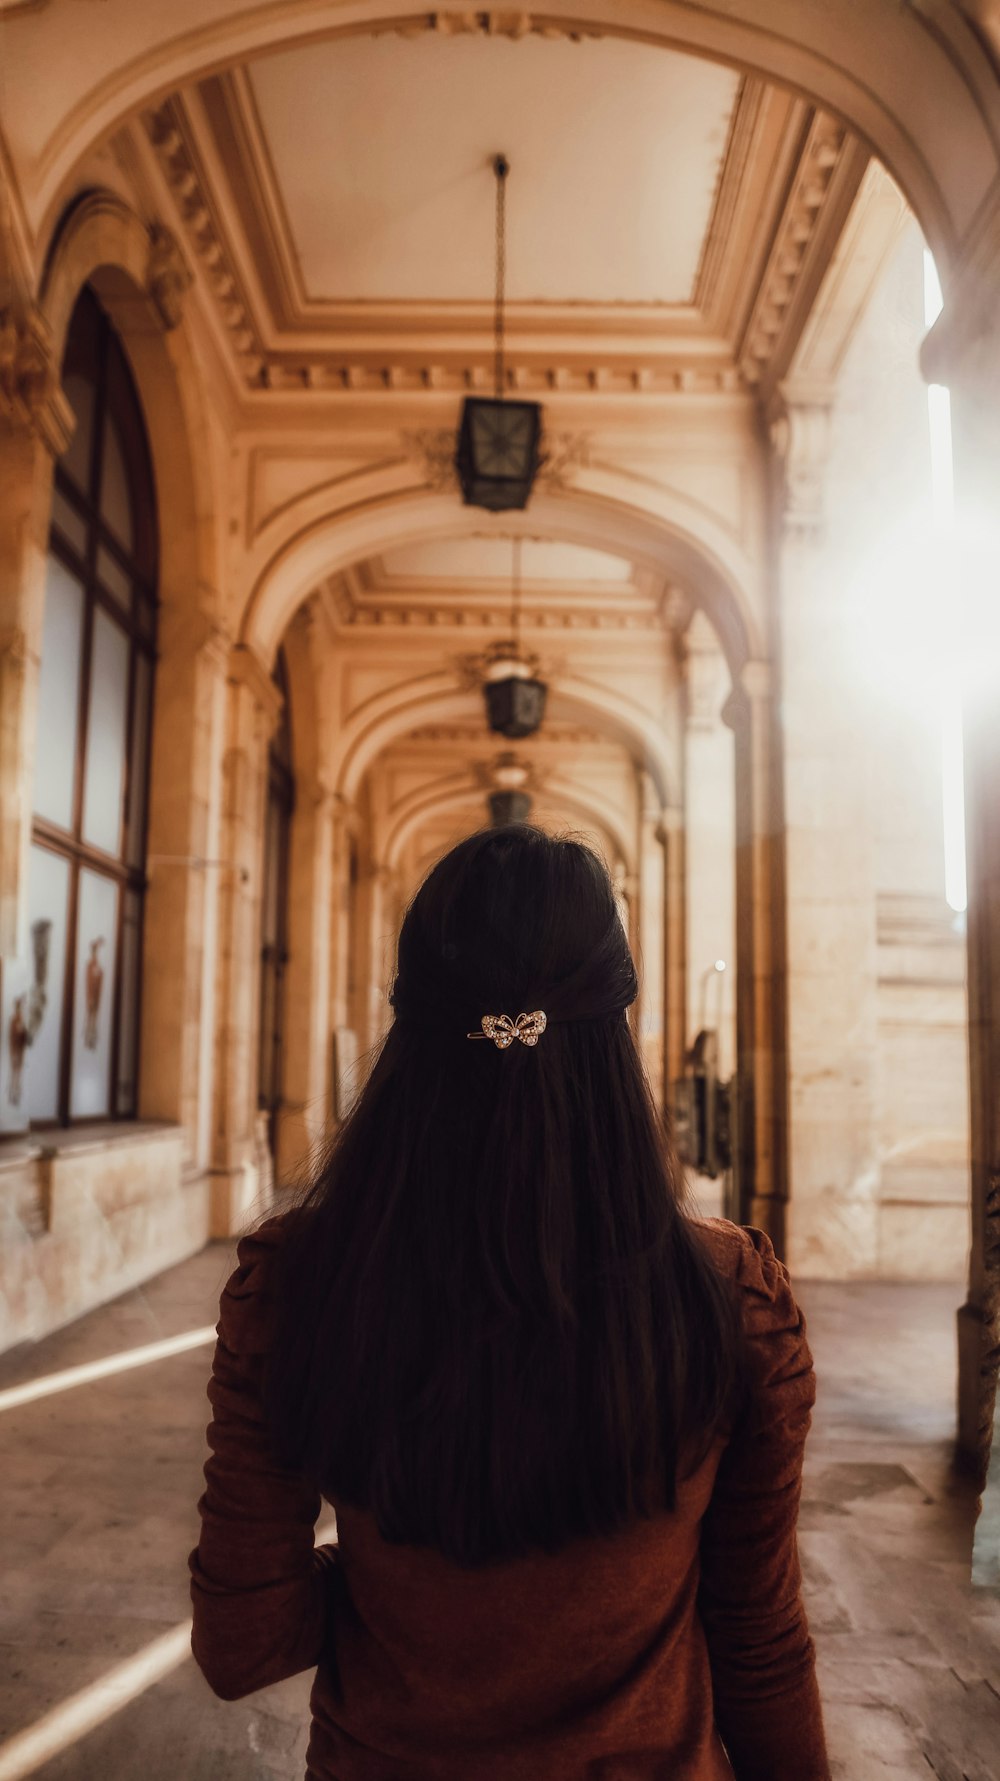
(274,913)
(88,855)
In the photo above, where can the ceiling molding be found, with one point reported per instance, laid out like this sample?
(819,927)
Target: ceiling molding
(284,342)
(200,213)
(352,600)
(828,174)
(789,176)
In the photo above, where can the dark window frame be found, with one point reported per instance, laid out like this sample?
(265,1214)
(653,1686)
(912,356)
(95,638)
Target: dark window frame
(274,954)
(95,351)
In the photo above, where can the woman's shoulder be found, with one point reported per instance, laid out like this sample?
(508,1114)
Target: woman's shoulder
(744,1252)
(247,1302)
(773,1319)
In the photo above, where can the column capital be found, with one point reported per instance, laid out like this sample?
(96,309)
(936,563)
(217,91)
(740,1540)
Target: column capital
(752,687)
(965,332)
(798,422)
(31,396)
(247,670)
(757,679)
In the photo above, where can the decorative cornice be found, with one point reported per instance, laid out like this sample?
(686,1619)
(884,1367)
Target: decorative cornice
(374,364)
(434,616)
(371,375)
(30,392)
(730,188)
(182,168)
(556,735)
(509,22)
(830,166)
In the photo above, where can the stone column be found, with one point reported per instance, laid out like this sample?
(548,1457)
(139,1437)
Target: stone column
(829,882)
(383,899)
(761,1162)
(254,706)
(676,962)
(185,873)
(36,425)
(709,841)
(651,913)
(306,1095)
(963,352)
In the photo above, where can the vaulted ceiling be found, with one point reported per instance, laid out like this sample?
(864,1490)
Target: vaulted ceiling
(670,220)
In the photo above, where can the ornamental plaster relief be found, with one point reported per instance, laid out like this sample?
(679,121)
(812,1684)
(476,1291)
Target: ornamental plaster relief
(30,393)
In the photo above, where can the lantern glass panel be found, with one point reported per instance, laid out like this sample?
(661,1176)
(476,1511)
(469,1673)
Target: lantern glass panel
(497,455)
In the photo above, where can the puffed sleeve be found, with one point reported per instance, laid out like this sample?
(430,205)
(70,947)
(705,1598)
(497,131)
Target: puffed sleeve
(767,1703)
(259,1584)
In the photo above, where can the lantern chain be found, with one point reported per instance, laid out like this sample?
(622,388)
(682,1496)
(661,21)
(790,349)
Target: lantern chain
(501,167)
(516,599)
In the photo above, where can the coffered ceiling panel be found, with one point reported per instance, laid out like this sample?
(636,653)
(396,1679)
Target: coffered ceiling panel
(380,150)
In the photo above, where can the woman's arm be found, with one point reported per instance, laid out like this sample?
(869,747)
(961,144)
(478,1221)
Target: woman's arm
(259,1585)
(767,1703)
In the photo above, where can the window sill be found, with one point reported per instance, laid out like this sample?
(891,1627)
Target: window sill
(104,1135)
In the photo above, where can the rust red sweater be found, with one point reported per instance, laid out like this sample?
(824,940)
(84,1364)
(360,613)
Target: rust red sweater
(677,1649)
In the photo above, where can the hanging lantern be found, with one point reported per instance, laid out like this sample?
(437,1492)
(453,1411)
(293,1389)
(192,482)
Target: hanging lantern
(515,699)
(497,454)
(514,694)
(509,799)
(508,807)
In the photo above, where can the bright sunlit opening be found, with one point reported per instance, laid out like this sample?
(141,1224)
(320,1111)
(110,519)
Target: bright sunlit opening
(942,522)
(33,1389)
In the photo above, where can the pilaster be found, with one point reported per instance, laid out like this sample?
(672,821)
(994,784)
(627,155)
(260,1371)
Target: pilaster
(36,424)
(254,705)
(761,1162)
(829,890)
(652,918)
(186,871)
(963,351)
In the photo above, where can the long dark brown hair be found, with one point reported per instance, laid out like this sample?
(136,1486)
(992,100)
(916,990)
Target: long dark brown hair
(494,1321)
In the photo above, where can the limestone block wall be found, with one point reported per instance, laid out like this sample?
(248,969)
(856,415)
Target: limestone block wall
(879,1097)
(86,1217)
(924,1221)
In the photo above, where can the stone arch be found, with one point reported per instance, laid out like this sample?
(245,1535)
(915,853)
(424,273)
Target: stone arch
(921,91)
(102,242)
(435,698)
(428,802)
(390,506)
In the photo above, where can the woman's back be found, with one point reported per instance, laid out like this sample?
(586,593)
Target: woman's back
(578,1563)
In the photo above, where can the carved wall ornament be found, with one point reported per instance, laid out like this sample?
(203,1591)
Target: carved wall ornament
(562,453)
(510,22)
(827,143)
(434,450)
(799,432)
(30,393)
(168,275)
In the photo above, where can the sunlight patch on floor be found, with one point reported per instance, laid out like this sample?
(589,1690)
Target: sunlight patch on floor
(15,1395)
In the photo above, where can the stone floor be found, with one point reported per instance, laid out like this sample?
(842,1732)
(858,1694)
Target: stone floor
(97,1515)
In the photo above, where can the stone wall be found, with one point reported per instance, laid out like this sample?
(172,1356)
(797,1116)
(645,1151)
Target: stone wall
(86,1215)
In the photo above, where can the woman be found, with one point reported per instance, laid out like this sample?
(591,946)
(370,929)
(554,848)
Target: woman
(561,1421)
